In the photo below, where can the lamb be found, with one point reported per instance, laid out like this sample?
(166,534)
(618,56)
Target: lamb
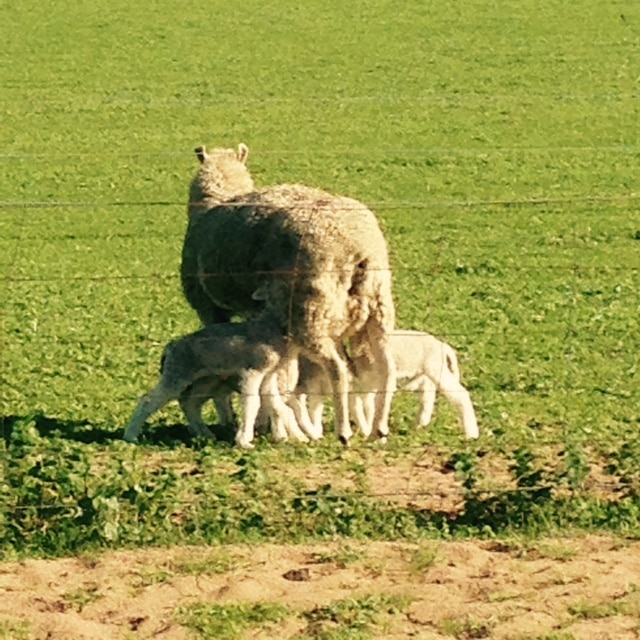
(424,365)
(320,260)
(199,365)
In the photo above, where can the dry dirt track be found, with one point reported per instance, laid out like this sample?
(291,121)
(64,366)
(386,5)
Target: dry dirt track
(584,588)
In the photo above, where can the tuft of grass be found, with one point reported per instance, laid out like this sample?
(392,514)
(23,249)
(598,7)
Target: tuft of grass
(12,630)
(230,621)
(557,551)
(424,557)
(345,554)
(205,562)
(465,628)
(554,635)
(585,610)
(82,596)
(353,618)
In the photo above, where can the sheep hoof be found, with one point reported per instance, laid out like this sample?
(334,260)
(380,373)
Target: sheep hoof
(344,440)
(377,435)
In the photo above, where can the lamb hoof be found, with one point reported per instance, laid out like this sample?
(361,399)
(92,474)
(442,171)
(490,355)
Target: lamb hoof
(247,446)
(382,437)
(344,441)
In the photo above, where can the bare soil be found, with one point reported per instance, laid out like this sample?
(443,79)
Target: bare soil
(586,588)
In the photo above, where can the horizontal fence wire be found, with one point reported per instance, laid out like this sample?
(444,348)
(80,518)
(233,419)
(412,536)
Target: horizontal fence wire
(486,491)
(481,151)
(575,268)
(379,205)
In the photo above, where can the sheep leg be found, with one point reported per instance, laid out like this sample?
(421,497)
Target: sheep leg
(358,408)
(250,389)
(192,410)
(293,412)
(283,422)
(311,425)
(267,413)
(193,399)
(338,371)
(305,400)
(147,406)
(220,390)
(459,397)
(427,402)
(315,403)
(191,402)
(263,419)
(222,401)
(386,383)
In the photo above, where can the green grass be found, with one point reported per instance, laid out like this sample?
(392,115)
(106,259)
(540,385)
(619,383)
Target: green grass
(353,618)
(496,143)
(465,627)
(230,621)
(14,630)
(79,598)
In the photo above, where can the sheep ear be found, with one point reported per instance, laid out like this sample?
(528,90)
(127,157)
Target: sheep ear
(201,152)
(243,152)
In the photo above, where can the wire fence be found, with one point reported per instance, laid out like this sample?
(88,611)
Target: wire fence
(376,205)
(573,266)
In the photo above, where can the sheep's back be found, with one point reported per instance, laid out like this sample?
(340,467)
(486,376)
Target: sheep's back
(413,350)
(322,258)
(224,349)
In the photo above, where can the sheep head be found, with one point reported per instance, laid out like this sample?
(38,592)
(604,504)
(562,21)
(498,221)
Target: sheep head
(222,175)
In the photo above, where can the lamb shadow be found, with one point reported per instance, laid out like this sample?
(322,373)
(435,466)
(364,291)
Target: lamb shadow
(163,434)
(78,430)
(170,434)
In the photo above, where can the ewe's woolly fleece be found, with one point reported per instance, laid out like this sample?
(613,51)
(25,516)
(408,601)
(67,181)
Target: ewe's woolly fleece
(319,261)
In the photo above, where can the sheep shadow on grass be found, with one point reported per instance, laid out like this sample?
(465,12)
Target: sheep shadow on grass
(47,426)
(163,434)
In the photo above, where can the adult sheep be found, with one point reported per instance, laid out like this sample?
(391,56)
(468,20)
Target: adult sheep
(318,262)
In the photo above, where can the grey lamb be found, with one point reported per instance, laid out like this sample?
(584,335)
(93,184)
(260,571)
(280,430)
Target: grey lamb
(196,367)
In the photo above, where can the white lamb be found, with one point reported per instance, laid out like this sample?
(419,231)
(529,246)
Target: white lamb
(424,365)
(320,260)
(196,367)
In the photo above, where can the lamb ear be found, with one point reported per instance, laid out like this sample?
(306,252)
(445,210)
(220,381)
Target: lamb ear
(201,152)
(243,152)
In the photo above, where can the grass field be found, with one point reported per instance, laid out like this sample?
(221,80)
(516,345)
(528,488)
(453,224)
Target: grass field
(498,145)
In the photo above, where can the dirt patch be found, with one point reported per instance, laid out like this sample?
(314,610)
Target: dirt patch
(587,588)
